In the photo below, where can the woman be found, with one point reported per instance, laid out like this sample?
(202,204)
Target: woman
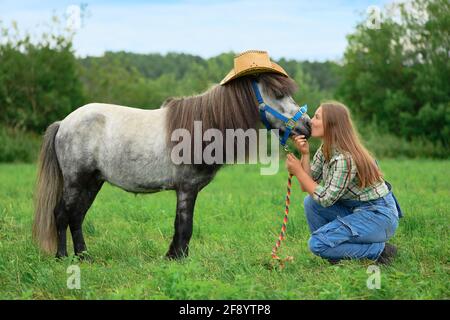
(353,214)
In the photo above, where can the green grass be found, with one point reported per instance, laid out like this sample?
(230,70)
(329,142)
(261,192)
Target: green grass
(236,222)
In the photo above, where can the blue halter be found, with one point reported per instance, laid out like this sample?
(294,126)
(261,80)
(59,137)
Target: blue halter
(288,122)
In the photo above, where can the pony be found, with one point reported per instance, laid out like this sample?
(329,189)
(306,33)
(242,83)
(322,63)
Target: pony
(130,148)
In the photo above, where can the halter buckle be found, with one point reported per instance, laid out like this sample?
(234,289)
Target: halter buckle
(290,123)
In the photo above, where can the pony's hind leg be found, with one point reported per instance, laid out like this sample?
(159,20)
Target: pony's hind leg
(62,221)
(76,199)
(87,196)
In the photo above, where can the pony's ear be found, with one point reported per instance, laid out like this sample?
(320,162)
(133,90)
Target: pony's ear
(277,85)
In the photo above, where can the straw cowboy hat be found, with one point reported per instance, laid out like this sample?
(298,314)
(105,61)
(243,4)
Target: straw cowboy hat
(250,62)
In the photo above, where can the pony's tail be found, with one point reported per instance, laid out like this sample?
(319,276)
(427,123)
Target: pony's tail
(48,192)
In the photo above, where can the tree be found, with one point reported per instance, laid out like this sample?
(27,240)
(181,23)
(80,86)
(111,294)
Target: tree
(397,75)
(39,82)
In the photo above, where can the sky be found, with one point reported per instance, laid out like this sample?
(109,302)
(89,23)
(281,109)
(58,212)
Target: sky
(294,29)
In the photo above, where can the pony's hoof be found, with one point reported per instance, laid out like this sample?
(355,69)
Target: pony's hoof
(60,256)
(85,257)
(175,255)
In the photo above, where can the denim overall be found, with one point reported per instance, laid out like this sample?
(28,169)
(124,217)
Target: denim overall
(351,229)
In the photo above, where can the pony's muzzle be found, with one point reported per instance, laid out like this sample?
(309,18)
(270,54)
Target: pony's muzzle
(307,120)
(303,127)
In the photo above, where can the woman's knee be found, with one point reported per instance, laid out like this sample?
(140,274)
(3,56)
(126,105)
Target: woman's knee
(316,245)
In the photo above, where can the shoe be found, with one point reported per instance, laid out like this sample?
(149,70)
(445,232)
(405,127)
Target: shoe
(388,254)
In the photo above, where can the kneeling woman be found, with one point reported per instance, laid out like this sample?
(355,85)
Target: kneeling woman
(353,214)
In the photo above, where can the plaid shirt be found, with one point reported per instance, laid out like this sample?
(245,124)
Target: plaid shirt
(340,179)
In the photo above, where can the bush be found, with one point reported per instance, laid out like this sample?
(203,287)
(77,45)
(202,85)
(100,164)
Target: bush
(383,144)
(18,146)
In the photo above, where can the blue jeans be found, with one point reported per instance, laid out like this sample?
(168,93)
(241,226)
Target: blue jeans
(351,229)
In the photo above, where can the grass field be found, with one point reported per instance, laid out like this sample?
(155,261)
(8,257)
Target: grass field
(236,222)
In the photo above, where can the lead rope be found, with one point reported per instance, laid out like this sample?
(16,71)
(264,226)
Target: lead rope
(282,235)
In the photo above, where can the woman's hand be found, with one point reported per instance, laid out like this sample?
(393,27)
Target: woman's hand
(302,144)
(293,165)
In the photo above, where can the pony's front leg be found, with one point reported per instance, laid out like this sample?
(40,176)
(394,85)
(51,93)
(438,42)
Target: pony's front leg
(179,248)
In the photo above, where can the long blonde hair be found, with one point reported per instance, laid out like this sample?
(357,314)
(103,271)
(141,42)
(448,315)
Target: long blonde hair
(340,133)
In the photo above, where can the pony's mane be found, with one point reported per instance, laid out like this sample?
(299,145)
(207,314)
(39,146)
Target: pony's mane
(231,106)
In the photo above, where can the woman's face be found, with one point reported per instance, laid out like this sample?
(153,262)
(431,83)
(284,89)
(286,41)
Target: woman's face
(317,124)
